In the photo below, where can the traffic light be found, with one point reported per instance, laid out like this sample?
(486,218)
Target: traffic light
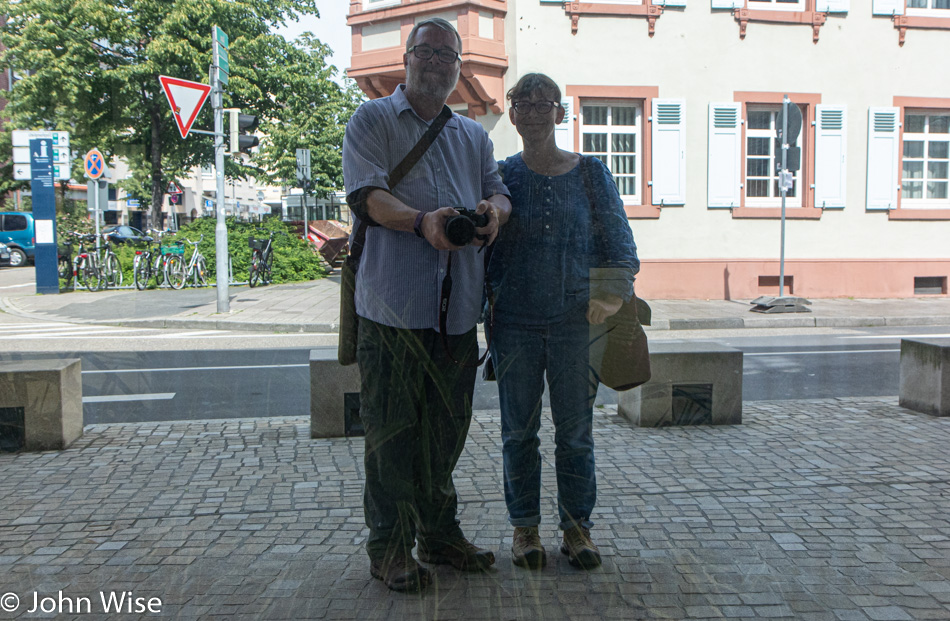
(241,142)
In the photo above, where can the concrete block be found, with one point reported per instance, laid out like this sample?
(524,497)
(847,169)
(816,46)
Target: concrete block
(50,393)
(925,376)
(687,365)
(329,382)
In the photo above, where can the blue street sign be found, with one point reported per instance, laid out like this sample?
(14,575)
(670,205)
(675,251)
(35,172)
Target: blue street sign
(132,202)
(44,214)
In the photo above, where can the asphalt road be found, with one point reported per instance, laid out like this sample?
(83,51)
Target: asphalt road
(178,384)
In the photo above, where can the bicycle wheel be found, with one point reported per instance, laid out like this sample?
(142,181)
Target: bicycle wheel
(175,272)
(255,268)
(91,275)
(267,275)
(113,271)
(158,270)
(201,273)
(142,271)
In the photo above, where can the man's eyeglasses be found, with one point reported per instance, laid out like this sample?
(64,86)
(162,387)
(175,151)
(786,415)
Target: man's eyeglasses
(425,52)
(542,107)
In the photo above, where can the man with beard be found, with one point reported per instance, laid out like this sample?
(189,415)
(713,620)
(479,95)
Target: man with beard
(416,391)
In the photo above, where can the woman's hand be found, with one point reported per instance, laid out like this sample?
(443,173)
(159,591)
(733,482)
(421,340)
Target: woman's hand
(598,310)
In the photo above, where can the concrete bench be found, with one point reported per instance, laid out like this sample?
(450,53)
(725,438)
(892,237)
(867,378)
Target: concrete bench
(40,404)
(334,396)
(925,376)
(691,383)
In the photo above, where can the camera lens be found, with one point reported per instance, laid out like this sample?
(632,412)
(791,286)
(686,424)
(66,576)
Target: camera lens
(460,230)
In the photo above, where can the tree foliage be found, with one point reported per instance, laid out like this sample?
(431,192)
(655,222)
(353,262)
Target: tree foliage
(91,67)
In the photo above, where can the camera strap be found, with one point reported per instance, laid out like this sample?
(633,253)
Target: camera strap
(444,310)
(396,175)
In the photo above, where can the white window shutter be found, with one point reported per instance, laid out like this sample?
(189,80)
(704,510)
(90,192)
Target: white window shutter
(670,2)
(887,7)
(725,155)
(832,6)
(668,152)
(564,132)
(728,4)
(883,149)
(831,138)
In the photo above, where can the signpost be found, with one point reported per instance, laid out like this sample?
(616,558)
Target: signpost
(303,176)
(60,153)
(186,98)
(94,166)
(44,214)
(790,124)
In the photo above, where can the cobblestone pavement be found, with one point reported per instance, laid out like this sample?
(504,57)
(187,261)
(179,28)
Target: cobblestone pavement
(834,510)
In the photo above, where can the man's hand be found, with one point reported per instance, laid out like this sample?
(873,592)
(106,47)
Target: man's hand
(433,228)
(599,310)
(498,208)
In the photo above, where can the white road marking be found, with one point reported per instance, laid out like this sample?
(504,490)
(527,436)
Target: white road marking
(176,369)
(811,353)
(26,284)
(899,336)
(155,396)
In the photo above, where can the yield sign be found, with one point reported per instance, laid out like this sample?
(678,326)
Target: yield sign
(186,99)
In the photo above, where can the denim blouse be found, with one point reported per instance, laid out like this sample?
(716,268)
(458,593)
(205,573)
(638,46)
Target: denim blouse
(551,256)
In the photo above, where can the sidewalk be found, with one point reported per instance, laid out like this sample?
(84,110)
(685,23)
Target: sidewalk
(823,510)
(314,307)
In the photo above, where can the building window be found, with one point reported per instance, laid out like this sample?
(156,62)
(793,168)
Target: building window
(207,172)
(611,132)
(763,157)
(929,8)
(926,159)
(373,4)
(775,5)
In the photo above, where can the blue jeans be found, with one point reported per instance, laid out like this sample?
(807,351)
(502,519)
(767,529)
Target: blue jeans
(522,355)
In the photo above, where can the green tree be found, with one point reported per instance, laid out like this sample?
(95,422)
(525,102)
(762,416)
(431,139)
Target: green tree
(91,67)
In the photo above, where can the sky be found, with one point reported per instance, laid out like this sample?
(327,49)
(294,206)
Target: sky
(330,28)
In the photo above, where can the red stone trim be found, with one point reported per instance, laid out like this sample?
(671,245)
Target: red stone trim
(651,12)
(918,214)
(903,22)
(903,103)
(408,8)
(809,17)
(809,100)
(645,94)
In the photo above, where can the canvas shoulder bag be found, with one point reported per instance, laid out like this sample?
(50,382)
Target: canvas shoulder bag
(349,320)
(626,360)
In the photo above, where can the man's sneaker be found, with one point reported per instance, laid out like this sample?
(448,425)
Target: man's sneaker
(526,548)
(580,550)
(460,553)
(400,572)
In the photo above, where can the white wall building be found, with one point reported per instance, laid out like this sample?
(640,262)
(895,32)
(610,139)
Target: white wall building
(681,99)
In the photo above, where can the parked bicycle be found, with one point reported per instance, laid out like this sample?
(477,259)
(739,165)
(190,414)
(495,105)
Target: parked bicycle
(261,259)
(86,264)
(109,263)
(180,273)
(64,262)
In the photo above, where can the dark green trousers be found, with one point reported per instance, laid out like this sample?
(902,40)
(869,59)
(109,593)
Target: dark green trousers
(416,408)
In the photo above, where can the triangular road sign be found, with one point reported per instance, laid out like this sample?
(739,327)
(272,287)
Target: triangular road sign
(185,98)
(173,189)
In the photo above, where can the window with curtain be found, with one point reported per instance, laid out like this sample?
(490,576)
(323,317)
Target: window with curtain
(763,158)
(925,174)
(611,132)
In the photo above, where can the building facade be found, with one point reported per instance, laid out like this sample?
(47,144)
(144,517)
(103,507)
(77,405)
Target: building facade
(682,100)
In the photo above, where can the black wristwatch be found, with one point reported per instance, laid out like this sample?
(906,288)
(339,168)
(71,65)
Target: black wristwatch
(417,225)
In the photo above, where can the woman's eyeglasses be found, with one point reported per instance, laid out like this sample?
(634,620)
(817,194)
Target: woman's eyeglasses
(541,107)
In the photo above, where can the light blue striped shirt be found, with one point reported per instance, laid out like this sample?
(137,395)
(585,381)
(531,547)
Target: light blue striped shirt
(400,275)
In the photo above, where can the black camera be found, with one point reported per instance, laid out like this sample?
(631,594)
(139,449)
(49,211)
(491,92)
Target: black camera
(460,229)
